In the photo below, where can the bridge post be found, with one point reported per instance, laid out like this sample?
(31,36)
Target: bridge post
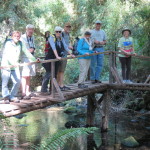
(112,64)
(105,107)
(52,77)
(90,110)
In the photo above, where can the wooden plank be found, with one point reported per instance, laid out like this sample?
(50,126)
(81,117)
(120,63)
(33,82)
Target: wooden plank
(147,80)
(58,89)
(115,76)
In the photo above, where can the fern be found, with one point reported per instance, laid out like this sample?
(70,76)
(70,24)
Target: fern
(59,139)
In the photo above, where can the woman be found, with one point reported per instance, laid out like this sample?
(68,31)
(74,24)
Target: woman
(84,47)
(47,45)
(126,46)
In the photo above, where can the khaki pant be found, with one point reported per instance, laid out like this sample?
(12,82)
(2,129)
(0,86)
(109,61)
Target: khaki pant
(84,67)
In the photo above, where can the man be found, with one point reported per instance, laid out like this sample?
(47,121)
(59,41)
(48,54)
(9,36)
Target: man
(28,71)
(99,39)
(12,50)
(57,50)
(60,75)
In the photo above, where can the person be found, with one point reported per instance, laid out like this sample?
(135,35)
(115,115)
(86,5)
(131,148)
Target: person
(126,46)
(28,71)
(47,45)
(56,51)
(99,40)
(11,54)
(60,75)
(84,47)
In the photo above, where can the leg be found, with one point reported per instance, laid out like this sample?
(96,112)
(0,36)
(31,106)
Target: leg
(61,71)
(23,84)
(5,79)
(128,65)
(123,67)
(15,77)
(82,75)
(88,62)
(28,85)
(92,67)
(45,82)
(100,59)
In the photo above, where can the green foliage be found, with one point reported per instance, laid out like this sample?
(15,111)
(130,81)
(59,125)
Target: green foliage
(59,139)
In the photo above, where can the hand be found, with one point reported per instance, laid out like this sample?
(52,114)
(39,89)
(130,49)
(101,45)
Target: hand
(102,43)
(38,60)
(96,42)
(31,50)
(86,53)
(73,56)
(70,47)
(134,54)
(58,57)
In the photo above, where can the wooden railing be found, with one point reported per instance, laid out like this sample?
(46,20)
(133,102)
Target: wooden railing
(113,73)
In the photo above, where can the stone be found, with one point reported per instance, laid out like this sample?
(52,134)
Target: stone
(70,110)
(130,142)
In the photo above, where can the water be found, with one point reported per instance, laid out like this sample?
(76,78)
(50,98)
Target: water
(34,127)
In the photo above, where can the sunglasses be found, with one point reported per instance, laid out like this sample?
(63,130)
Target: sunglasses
(68,26)
(58,31)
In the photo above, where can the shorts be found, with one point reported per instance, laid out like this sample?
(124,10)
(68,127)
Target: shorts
(62,66)
(28,70)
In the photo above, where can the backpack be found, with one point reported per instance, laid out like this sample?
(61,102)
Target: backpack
(75,51)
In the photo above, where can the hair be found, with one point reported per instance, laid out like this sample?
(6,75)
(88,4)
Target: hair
(15,32)
(30,26)
(87,33)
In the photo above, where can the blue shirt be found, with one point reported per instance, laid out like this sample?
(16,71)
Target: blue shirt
(83,48)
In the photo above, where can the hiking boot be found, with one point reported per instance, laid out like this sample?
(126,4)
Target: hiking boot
(26,97)
(82,86)
(64,88)
(32,95)
(98,81)
(15,100)
(7,100)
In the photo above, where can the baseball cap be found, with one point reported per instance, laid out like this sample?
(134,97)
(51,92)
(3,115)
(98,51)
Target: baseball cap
(58,28)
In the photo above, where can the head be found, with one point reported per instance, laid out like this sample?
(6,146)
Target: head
(126,32)
(87,35)
(98,25)
(47,34)
(16,36)
(67,27)
(29,30)
(58,31)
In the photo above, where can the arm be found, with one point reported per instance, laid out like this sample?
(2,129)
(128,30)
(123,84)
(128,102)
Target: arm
(79,47)
(27,53)
(52,43)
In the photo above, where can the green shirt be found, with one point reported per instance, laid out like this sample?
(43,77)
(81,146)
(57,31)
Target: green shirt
(125,43)
(12,52)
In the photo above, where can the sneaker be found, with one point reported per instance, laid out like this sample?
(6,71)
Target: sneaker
(64,88)
(124,81)
(129,81)
(93,81)
(26,97)
(82,86)
(98,81)
(15,100)
(7,100)
(32,95)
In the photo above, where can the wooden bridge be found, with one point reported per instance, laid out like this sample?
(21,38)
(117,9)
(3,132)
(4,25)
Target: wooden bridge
(57,96)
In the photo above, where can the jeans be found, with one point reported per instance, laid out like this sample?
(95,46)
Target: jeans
(84,67)
(126,67)
(96,64)
(14,75)
(45,82)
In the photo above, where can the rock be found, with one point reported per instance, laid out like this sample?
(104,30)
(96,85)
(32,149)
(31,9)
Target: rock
(70,110)
(72,124)
(130,142)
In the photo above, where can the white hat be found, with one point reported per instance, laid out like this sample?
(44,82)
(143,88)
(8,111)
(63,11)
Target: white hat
(30,26)
(98,21)
(57,28)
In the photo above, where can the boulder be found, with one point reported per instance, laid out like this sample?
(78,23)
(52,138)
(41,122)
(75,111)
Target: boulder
(130,142)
